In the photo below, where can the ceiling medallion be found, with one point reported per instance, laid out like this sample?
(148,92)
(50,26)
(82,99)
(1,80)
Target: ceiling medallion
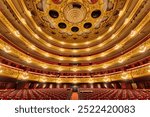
(75,12)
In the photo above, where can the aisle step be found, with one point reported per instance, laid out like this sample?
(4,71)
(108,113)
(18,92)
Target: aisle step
(74,96)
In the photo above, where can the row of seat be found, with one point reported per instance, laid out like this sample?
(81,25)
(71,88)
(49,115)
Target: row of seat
(84,94)
(35,94)
(114,94)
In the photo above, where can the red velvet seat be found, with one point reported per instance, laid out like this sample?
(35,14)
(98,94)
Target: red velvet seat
(114,94)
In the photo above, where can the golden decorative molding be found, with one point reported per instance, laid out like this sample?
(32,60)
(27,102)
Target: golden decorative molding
(7,23)
(145,20)
(30,60)
(55,40)
(141,71)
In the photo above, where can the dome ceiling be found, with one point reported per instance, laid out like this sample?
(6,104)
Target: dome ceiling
(74,38)
(74,22)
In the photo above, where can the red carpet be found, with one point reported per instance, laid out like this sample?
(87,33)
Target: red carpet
(74,96)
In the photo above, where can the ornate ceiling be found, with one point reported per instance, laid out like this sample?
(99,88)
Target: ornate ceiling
(74,40)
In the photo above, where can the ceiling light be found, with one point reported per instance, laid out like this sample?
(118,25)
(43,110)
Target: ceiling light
(126,21)
(63,43)
(98,38)
(103,54)
(60,69)
(39,29)
(23,21)
(36,36)
(74,51)
(29,13)
(121,60)
(89,58)
(87,43)
(49,37)
(74,59)
(1,71)
(49,45)
(45,66)
(133,33)
(74,44)
(46,54)
(7,49)
(110,29)
(29,60)
(61,58)
(117,47)
(59,81)
(105,66)
(88,49)
(62,50)
(17,33)
(149,68)
(100,45)
(33,47)
(120,13)
(142,49)
(113,36)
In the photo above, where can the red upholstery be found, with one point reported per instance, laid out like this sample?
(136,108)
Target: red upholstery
(114,94)
(35,94)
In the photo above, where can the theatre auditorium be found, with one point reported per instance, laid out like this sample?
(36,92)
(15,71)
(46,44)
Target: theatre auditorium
(74,49)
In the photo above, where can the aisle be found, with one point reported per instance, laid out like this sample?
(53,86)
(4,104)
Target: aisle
(74,96)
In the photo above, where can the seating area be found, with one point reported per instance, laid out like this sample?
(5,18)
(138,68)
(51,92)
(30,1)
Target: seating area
(83,94)
(35,94)
(114,94)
